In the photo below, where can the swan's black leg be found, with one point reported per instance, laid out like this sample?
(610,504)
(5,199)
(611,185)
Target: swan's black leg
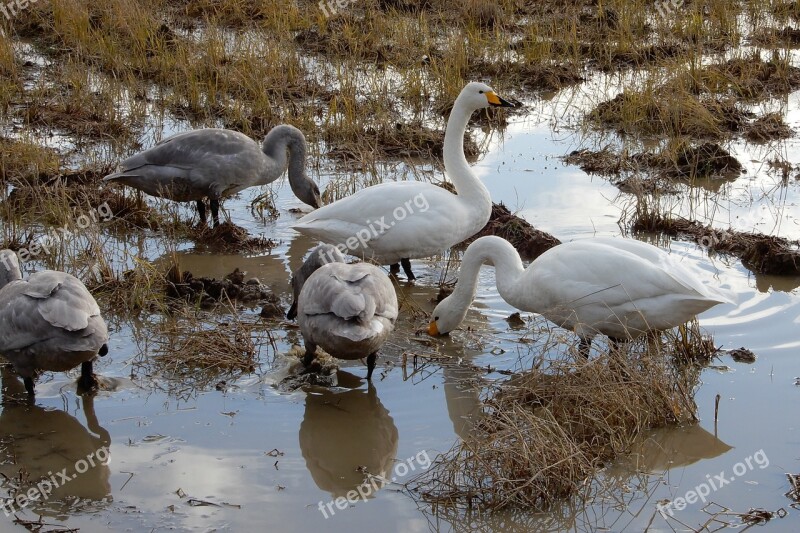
(394,269)
(584,347)
(371,364)
(87,382)
(201,211)
(28,385)
(407,269)
(214,211)
(311,353)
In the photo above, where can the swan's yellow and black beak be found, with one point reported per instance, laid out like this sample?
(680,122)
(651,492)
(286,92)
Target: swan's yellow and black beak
(497,101)
(433,331)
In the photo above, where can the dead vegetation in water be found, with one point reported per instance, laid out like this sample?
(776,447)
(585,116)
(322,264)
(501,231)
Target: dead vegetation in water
(61,198)
(395,141)
(703,103)
(660,170)
(189,353)
(763,254)
(545,433)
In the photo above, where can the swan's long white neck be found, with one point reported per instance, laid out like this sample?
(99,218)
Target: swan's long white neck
(455,163)
(508,270)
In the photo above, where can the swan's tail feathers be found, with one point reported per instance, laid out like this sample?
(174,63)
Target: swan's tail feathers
(723,294)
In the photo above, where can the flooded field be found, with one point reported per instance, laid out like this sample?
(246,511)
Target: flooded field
(208,446)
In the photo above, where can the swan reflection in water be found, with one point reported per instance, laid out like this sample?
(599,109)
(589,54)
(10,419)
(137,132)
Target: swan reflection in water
(342,431)
(39,444)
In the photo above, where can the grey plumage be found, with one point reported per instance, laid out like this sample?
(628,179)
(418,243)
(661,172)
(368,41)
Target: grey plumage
(48,322)
(347,309)
(214,163)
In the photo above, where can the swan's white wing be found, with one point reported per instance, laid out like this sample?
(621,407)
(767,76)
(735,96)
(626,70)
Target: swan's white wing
(592,282)
(69,306)
(394,220)
(681,271)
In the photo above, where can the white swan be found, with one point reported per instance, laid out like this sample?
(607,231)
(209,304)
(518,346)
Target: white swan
(214,163)
(348,310)
(399,221)
(619,287)
(48,322)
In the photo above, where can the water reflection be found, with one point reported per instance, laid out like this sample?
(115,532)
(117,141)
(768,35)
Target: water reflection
(342,431)
(40,442)
(665,448)
(658,451)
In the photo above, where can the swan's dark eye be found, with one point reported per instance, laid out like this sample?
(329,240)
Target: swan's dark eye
(481,91)
(435,318)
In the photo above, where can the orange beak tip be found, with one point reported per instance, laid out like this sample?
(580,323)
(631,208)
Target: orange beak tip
(433,331)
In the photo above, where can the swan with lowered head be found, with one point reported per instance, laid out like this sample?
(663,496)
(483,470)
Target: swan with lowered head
(395,222)
(48,322)
(347,309)
(621,288)
(214,163)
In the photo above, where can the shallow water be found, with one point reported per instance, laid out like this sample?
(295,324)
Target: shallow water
(248,456)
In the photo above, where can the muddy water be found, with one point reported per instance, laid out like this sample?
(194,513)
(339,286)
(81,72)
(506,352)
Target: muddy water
(248,457)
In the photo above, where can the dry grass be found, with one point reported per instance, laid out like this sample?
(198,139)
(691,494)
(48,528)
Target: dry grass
(188,352)
(545,433)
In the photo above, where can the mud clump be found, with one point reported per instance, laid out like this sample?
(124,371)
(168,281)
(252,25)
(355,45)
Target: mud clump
(228,237)
(707,160)
(210,291)
(529,241)
(770,127)
(742,355)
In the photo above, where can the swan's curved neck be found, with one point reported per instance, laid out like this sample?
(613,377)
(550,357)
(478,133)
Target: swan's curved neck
(507,264)
(455,163)
(275,145)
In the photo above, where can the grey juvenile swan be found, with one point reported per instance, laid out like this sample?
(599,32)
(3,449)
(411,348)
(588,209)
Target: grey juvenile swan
(48,322)
(214,163)
(348,310)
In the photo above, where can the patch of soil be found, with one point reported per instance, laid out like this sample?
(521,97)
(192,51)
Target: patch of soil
(210,291)
(529,241)
(228,237)
(769,127)
(763,254)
